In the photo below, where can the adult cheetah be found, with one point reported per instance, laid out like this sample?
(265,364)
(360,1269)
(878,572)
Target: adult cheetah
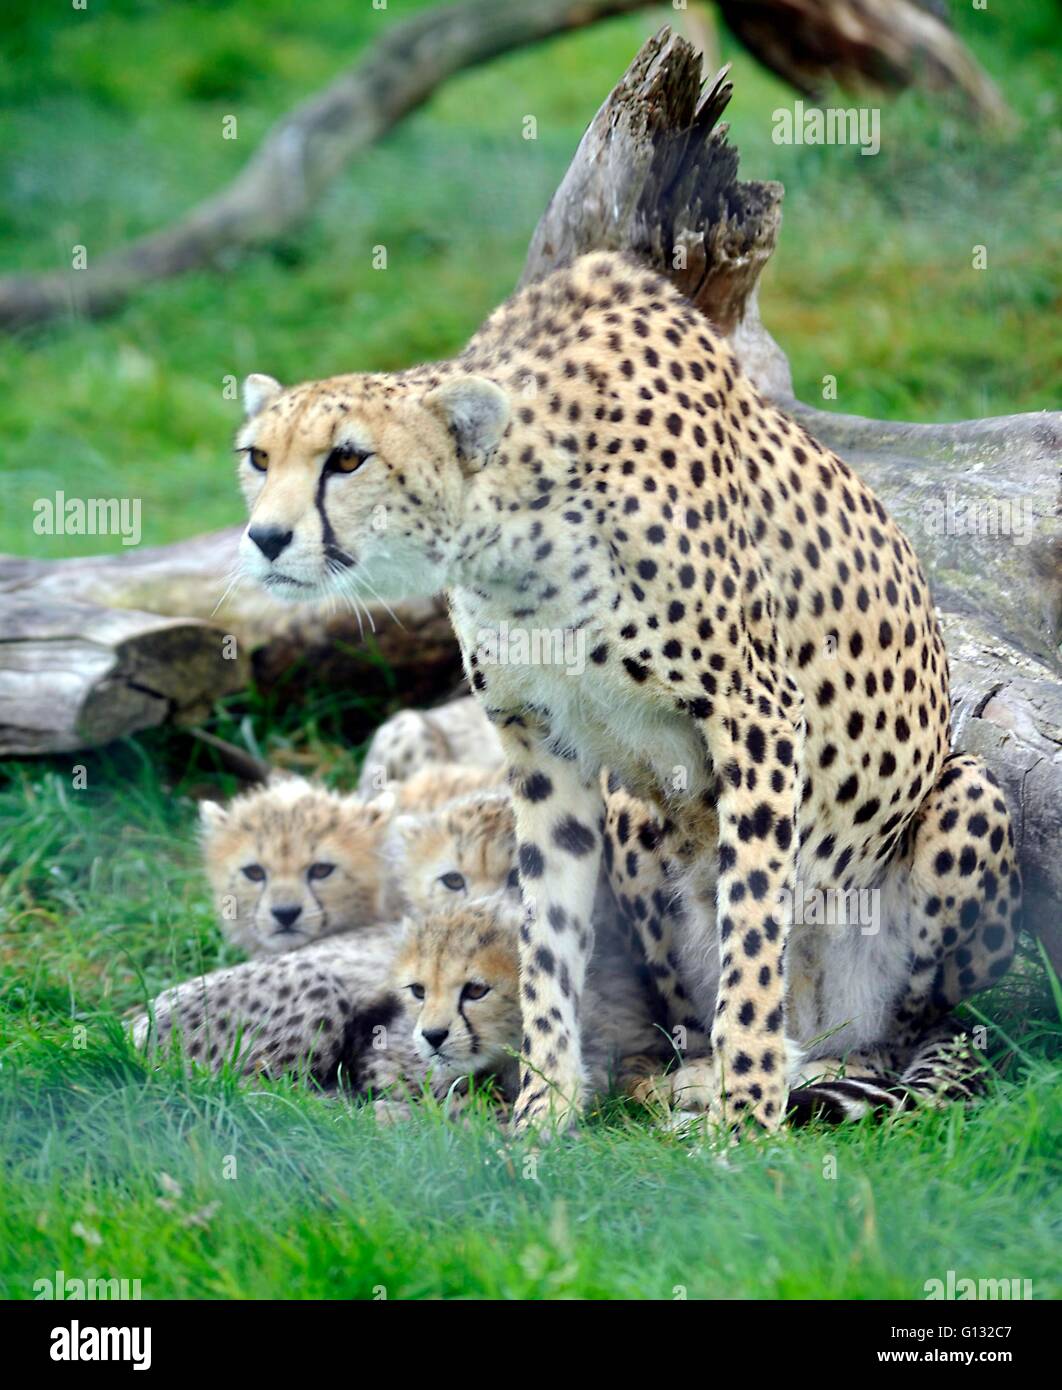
(763,659)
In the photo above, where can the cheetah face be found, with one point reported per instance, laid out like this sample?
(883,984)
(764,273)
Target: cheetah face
(355,485)
(457,973)
(293,863)
(464,852)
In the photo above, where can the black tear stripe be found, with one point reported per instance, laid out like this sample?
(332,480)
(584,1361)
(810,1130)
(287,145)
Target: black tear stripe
(345,1068)
(473,1036)
(322,921)
(333,551)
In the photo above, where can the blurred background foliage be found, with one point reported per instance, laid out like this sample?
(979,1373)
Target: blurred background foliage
(111,125)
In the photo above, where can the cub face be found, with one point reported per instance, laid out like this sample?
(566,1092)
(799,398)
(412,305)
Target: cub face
(355,484)
(463,852)
(292,863)
(457,974)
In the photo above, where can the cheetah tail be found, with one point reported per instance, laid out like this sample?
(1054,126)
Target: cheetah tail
(944,1068)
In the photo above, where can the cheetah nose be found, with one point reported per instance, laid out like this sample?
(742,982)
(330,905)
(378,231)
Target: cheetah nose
(270,540)
(286,915)
(435,1037)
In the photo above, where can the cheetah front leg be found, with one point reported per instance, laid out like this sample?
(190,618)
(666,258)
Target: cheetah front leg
(559,851)
(756,751)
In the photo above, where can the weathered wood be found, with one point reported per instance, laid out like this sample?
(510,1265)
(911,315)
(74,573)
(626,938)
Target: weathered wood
(863,44)
(73,675)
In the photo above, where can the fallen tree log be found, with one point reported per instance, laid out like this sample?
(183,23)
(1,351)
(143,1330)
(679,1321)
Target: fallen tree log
(861,44)
(74,675)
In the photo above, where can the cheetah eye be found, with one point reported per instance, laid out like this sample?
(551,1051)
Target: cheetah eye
(345,459)
(417,991)
(258,458)
(474,991)
(254,872)
(320,870)
(455,882)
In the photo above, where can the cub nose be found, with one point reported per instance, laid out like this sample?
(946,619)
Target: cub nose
(270,540)
(286,915)
(435,1037)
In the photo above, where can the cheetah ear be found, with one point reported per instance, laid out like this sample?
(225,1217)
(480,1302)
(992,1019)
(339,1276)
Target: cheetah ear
(511,917)
(382,806)
(279,776)
(403,827)
(475,411)
(258,392)
(212,817)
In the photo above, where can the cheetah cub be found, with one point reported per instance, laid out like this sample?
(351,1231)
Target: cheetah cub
(465,849)
(414,739)
(433,1000)
(292,863)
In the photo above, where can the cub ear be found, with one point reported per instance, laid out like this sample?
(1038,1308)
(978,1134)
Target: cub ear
(280,776)
(382,806)
(212,817)
(407,929)
(474,410)
(258,392)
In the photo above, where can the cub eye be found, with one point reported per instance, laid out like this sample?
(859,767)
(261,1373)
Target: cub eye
(455,882)
(474,991)
(417,991)
(320,870)
(258,458)
(254,872)
(344,459)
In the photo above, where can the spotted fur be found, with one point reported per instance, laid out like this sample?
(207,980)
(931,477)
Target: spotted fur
(413,740)
(763,661)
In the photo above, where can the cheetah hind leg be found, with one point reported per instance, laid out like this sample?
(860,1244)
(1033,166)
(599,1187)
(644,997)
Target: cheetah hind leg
(645,887)
(955,890)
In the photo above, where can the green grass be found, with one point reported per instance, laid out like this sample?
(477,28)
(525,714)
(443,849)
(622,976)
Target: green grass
(103,904)
(323,1204)
(101,898)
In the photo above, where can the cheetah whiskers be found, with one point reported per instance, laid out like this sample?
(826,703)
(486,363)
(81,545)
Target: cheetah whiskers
(235,579)
(341,588)
(361,579)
